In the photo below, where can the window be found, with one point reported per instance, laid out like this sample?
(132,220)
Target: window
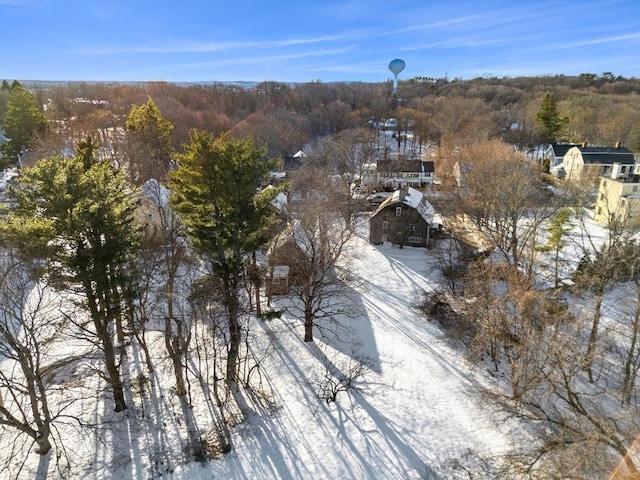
(635,189)
(412,228)
(414,239)
(398,211)
(385,225)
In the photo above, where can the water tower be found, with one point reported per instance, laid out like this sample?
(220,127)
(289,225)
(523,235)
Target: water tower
(396,66)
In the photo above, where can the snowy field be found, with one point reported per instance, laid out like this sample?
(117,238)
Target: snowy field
(415,411)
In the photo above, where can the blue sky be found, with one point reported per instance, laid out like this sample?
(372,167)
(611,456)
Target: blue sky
(305,40)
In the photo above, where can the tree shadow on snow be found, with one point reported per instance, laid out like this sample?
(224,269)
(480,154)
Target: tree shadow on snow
(385,444)
(350,332)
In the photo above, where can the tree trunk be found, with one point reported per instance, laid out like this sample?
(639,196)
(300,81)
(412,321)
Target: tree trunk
(308,324)
(38,402)
(113,372)
(233,313)
(234,347)
(593,336)
(112,367)
(176,359)
(256,272)
(44,445)
(145,349)
(631,362)
(102,332)
(119,330)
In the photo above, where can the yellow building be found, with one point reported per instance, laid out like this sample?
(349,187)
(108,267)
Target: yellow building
(619,197)
(583,161)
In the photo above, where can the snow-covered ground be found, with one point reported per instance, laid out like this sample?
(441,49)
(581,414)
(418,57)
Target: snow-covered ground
(414,414)
(415,411)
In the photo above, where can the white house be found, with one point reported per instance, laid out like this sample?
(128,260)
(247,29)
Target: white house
(598,160)
(398,173)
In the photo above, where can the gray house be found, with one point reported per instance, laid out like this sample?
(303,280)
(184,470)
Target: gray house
(555,154)
(404,218)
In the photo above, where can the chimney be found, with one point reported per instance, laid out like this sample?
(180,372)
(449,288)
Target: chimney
(584,144)
(617,144)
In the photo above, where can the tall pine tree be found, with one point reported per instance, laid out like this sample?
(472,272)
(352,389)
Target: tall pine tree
(23,121)
(215,192)
(149,145)
(551,122)
(77,214)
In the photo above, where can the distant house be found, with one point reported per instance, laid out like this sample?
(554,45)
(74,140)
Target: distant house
(619,197)
(277,281)
(585,160)
(404,218)
(398,173)
(293,162)
(555,154)
(152,205)
(286,259)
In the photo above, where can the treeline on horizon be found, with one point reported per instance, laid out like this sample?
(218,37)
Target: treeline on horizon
(602,109)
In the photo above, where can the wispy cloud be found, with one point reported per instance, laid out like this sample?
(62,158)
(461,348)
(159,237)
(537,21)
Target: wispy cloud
(226,62)
(593,41)
(202,47)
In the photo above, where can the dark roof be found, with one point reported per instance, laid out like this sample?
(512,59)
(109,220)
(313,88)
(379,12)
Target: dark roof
(412,198)
(606,155)
(560,149)
(391,166)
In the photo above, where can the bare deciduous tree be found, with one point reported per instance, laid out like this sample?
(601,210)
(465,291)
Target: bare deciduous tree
(530,339)
(27,326)
(313,245)
(501,192)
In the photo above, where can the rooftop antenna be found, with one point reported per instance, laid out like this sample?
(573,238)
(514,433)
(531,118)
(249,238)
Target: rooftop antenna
(396,66)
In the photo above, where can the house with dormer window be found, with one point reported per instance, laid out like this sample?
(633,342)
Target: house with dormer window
(404,218)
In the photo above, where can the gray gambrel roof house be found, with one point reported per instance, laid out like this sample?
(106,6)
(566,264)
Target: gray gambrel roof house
(404,218)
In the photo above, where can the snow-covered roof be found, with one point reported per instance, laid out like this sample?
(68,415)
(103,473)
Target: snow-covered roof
(156,192)
(280,201)
(6,176)
(412,198)
(300,154)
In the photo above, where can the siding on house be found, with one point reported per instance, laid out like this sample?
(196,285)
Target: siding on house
(579,160)
(405,218)
(399,173)
(619,197)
